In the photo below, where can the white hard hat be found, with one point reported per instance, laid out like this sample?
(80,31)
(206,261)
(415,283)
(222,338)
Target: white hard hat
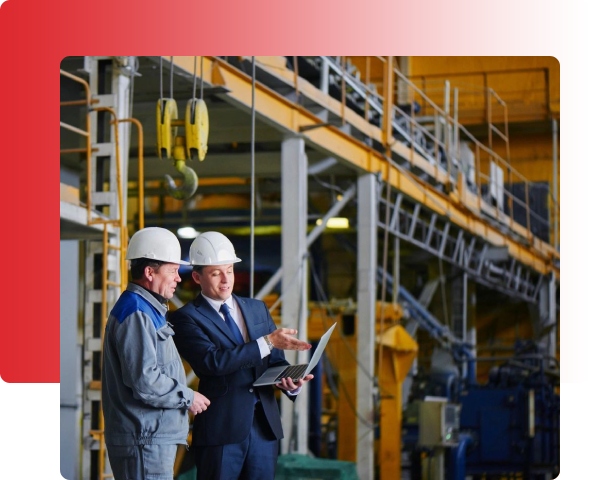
(212,248)
(155,243)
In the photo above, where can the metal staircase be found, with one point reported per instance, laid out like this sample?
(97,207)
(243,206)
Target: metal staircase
(485,264)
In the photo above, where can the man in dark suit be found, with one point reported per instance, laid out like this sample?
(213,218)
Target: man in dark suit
(229,341)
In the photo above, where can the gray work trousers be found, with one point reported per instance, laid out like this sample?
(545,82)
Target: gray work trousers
(142,462)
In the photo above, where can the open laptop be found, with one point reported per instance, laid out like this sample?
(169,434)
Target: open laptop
(274,374)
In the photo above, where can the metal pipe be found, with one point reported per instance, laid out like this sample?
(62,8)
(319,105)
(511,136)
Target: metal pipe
(315,409)
(387,120)
(295,75)
(321,166)
(140,179)
(456,126)
(75,150)
(343,89)
(252,176)
(429,322)
(458,457)
(86,86)
(324,75)
(447,117)
(79,131)
(76,103)
(465,350)
(367,83)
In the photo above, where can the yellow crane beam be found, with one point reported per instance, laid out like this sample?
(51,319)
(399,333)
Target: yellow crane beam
(292,118)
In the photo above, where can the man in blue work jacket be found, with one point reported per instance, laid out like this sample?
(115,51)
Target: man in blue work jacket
(145,398)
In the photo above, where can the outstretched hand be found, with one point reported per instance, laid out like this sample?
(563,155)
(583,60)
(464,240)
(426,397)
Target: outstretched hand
(283,339)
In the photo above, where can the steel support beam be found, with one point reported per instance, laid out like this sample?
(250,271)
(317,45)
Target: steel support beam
(294,284)
(482,262)
(289,117)
(366,297)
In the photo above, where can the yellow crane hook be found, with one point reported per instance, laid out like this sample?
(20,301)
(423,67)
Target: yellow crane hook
(188,188)
(171,145)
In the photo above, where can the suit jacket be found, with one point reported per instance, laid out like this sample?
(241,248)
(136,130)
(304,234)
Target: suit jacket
(227,370)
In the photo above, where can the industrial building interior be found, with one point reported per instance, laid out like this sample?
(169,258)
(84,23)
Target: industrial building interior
(412,200)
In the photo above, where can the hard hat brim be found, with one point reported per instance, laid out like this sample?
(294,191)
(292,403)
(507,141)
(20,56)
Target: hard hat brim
(177,262)
(221,262)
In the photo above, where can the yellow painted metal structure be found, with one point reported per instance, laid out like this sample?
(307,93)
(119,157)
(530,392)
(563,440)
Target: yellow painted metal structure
(531,85)
(180,147)
(401,350)
(196,127)
(166,113)
(464,210)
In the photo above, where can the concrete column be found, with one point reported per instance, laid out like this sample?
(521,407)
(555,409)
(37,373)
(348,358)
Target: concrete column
(366,296)
(121,87)
(70,386)
(294,282)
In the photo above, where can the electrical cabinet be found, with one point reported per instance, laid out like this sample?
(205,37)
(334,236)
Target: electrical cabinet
(438,422)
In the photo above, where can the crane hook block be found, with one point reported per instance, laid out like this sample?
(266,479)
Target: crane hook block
(188,187)
(166,113)
(196,126)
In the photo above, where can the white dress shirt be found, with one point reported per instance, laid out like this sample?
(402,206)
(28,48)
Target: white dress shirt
(236,314)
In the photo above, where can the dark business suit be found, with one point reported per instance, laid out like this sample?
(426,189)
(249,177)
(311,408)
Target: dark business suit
(226,371)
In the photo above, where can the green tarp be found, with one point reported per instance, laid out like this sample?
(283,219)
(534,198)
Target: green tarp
(296,467)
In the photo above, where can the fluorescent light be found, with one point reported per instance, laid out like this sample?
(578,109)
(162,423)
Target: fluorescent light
(335,222)
(187,232)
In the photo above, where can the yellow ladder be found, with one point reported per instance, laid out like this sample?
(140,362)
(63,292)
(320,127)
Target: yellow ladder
(105,265)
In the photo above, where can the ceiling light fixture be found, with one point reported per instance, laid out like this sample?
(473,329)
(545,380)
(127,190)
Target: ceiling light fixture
(187,232)
(335,222)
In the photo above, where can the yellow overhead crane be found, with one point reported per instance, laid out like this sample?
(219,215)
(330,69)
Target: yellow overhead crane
(170,144)
(462,208)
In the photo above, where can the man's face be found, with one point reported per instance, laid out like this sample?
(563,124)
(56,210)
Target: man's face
(165,279)
(217,281)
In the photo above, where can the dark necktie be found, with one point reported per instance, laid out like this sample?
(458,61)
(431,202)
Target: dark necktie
(231,323)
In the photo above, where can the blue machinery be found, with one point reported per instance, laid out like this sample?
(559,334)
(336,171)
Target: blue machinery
(507,427)
(456,428)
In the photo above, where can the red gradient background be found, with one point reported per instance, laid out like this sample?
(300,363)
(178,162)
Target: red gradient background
(36,34)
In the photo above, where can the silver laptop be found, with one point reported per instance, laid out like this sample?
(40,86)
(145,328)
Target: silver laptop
(274,374)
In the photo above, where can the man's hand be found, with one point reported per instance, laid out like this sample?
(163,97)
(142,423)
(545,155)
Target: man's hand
(289,385)
(200,403)
(282,338)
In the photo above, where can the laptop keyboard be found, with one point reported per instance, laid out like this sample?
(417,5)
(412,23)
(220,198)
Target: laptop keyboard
(294,371)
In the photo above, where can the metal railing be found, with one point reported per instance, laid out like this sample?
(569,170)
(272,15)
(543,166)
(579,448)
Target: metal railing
(434,136)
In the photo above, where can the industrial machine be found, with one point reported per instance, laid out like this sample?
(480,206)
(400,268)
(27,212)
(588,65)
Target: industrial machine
(505,428)
(511,424)
(453,427)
